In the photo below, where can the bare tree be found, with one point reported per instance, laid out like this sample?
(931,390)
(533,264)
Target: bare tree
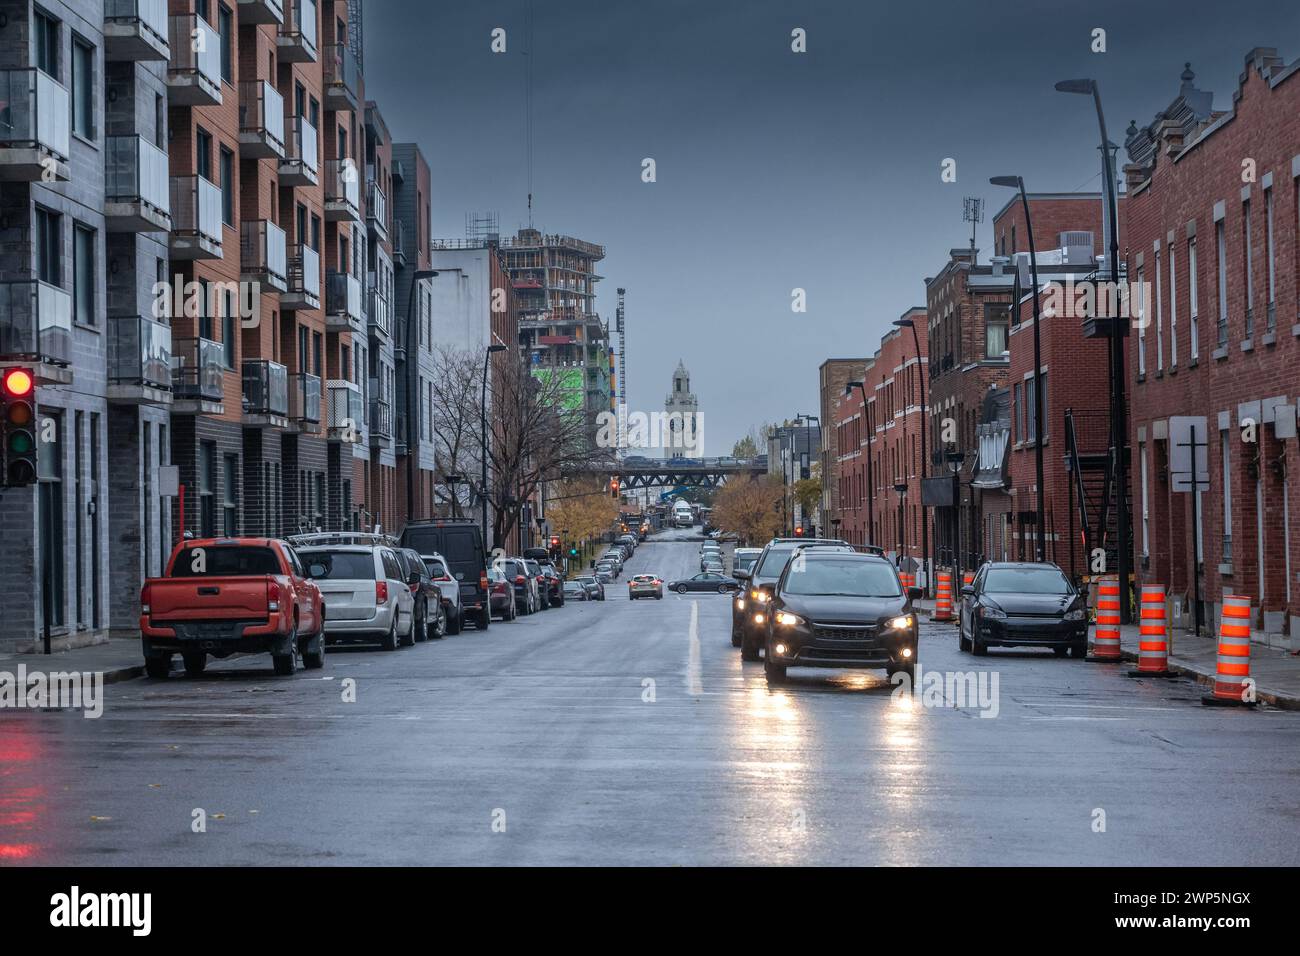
(457,381)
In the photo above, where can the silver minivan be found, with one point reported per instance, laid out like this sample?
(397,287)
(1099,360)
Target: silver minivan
(366,598)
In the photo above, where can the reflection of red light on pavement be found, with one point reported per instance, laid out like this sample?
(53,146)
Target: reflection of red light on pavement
(15,851)
(17,818)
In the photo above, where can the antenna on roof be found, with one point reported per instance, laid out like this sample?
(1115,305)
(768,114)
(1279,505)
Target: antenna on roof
(973,213)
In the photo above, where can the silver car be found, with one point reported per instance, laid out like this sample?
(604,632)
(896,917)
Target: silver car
(366,597)
(450,589)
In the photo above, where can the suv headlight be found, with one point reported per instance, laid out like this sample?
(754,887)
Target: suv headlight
(740,602)
(901,623)
(993,613)
(1078,614)
(787,619)
(759,597)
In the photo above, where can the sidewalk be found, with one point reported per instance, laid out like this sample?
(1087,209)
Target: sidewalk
(1275,670)
(117,660)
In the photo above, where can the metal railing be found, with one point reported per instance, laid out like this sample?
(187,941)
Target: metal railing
(135,170)
(300,23)
(196,207)
(195,48)
(261,111)
(35,321)
(343,295)
(379,311)
(151,14)
(342,182)
(266,387)
(377,204)
(302,144)
(262,249)
(304,397)
(139,351)
(34,111)
(346,409)
(341,69)
(381,418)
(304,270)
(197,368)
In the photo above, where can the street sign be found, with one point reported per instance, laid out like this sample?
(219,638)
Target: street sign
(1189,467)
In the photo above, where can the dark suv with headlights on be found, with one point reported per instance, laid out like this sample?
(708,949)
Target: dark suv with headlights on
(839,608)
(746,632)
(1023,604)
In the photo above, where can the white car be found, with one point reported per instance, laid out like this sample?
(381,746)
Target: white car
(366,597)
(450,589)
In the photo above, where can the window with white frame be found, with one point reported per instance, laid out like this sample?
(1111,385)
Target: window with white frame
(1246,265)
(1221,250)
(1146,504)
(1193,301)
(1271,320)
(1160,319)
(1173,306)
(1141,323)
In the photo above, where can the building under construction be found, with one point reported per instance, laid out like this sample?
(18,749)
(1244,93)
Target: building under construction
(560,332)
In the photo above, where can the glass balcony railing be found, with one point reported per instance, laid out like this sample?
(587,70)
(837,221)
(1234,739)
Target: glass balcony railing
(342,184)
(266,388)
(263,251)
(299,29)
(379,311)
(342,73)
(377,206)
(302,145)
(304,398)
(34,112)
(35,322)
(261,11)
(343,296)
(196,207)
(346,407)
(135,170)
(261,114)
(196,50)
(139,352)
(197,369)
(304,271)
(149,14)
(381,418)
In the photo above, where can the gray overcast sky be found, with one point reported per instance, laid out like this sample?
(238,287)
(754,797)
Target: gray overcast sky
(776,170)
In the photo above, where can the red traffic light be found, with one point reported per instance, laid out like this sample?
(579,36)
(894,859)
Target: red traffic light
(18,383)
(555,541)
(798,532)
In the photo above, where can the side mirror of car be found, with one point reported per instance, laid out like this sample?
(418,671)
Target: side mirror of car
(915,594)
(413,578)
(968,589)
(741,574)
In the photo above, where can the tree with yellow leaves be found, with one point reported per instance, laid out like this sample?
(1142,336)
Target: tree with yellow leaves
(749,508)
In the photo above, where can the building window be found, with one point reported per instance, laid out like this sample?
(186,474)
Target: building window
(1246,265)
(1142,322)
(48,244)
(207,489)
(1271,320)
(1221,247)
(996,321)
(1226,451)
(203,153)
(83,267)
(227,186)
(1146,504)
(1173,307)
(1160,319)
(228,333)
(45,31)
(229,498)
(1193,299)
(226,29)
(83,89)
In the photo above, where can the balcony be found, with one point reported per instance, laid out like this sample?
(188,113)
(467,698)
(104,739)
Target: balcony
(139,361)
(381,423)
(261,121)
(34,127)
(379,312)
(301,163)
(196,218)
(342,191)
(136,30)
(342,78)
(376,211)
(304,402)
(263,254)
(261,11)
(198,377)
(399,243)
(343,303)
(296,39)
(346,422)
(266,393)
(136,187)
(303,291)
(194,70)
(36,327)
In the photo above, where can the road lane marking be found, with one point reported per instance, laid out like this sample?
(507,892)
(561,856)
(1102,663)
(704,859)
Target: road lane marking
(694,685)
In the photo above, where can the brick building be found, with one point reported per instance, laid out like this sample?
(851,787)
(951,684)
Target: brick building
(878,446)
(832,376)
(1212,226)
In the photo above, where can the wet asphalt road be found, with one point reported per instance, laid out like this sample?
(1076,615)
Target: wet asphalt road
(533,743)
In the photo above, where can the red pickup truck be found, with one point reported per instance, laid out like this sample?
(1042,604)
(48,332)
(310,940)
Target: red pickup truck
(222,595)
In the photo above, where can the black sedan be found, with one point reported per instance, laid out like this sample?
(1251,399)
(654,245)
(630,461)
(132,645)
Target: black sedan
(838,608)
(705,581)
(1023,604)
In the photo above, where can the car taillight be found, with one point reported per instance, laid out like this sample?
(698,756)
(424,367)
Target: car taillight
(415,589)
(482,580)
(145,600)
(272,596)
(657,581)
(443,577)
(381,592)
(520,579)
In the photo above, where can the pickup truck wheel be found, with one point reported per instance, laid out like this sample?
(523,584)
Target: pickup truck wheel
(158,667)
(454,624)
(389,641)
(286,664)
(194,663)
(313,653)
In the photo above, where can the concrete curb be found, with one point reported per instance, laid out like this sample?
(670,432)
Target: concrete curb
(1206,678)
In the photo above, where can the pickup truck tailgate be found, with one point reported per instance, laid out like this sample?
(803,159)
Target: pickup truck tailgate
(209,598)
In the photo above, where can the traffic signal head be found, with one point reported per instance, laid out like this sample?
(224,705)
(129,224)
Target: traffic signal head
(555,541)
(573,552)
(798,532)
(613,488)
(18,396)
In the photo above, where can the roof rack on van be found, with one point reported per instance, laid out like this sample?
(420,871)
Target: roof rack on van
(323,538)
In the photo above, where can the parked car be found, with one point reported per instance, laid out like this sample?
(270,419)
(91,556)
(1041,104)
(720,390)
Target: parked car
(460,542)
(1022,604)
(527,598)
(742,559)
(430,619)
(448,589)
(595,588)
(603,575)
(612,567)
(543,586)
(366,591)
(746,633)
(705,581)
(554,584)
(711,562)
(501,592)
(222,595)
(574,591)
(839,608)
(645,585)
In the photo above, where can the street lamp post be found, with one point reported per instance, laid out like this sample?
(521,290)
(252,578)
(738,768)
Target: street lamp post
(925,451)
(871,484)
(1040,427)
(901,488)
(954,460)
(483,451)
(1118,426)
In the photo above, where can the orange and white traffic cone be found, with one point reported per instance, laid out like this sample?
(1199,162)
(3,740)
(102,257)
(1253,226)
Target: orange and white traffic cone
(1233,671)
(1153,635)
(1105,636)
(943,597)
